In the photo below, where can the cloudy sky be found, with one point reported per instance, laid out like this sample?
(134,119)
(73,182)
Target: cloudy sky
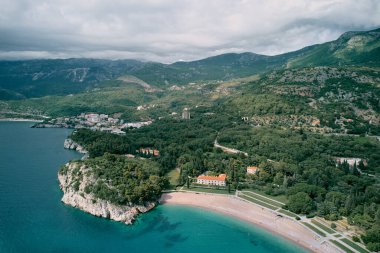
(172,30)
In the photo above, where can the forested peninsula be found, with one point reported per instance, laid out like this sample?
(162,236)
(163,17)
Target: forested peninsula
(112,186)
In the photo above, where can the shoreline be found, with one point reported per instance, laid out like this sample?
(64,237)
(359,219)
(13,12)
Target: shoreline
(20,120)
(234,207)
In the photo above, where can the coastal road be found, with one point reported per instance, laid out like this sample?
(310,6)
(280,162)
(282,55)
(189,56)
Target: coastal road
(229,150)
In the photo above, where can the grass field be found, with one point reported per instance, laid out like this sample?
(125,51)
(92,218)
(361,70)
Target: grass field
(259,197)
(280,198)
(354,245)
(347,250)
(314,229)
(288,213)
(325,228)
(256,201)
(173,177)
(208,190)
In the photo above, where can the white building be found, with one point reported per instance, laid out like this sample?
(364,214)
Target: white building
(212,180)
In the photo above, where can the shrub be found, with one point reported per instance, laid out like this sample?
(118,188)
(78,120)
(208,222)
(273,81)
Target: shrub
(355,238)
(76,186)
(300,203)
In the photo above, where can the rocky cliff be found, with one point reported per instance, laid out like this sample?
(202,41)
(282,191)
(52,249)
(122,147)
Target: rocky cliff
(70,144)
(73,179)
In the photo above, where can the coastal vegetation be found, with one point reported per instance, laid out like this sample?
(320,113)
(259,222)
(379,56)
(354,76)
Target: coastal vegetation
(118,179)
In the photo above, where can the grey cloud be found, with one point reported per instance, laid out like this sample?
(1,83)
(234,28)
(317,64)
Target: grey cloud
(170,30)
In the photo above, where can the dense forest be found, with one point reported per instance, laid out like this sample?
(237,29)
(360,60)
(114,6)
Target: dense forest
(172,137)
(301,166)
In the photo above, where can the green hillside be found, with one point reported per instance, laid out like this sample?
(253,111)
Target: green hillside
(352,48)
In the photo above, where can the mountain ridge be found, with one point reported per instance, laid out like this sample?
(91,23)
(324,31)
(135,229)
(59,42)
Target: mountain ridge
(37,78)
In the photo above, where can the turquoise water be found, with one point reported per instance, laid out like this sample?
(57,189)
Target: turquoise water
(32,218)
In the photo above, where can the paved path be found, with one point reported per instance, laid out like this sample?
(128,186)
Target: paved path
(328,238)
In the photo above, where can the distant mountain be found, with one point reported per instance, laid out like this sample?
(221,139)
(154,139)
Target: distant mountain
(36,78)
(352,48)
(221,67)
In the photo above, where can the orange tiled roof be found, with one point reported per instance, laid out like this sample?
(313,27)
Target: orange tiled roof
(221,177)
(252,168)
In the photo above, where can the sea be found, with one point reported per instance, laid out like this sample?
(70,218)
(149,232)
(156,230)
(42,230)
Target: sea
(33,218)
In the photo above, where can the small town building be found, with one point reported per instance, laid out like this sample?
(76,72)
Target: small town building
(212,180)
(137,124)
(92,117)
(148,151)
(252,169)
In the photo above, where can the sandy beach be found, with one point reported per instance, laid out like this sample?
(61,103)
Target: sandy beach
(235,207)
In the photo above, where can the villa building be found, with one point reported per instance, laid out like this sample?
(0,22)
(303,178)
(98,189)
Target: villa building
(252,169)
(212,180)
(351,161)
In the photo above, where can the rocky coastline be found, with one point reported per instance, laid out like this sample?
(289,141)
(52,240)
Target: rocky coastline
(73,179)
(70,144)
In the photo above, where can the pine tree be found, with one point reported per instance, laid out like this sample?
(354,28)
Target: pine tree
(285,182)
(361,165)
(355,170)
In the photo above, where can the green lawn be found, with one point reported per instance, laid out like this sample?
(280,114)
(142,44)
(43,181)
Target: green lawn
(173,177)
(354,245)
(280,198)
(325,228)
(256,201)
(256,196)
(288,213)
(342,246)
(314,229)
(208,190)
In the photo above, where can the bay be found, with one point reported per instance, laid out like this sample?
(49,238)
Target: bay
(33,219)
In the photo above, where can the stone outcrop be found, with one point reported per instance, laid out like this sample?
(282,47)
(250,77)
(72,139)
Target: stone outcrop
(73,179)
(70,144)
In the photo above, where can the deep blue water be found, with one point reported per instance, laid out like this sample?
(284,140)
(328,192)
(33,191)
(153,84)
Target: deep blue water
(32,218)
